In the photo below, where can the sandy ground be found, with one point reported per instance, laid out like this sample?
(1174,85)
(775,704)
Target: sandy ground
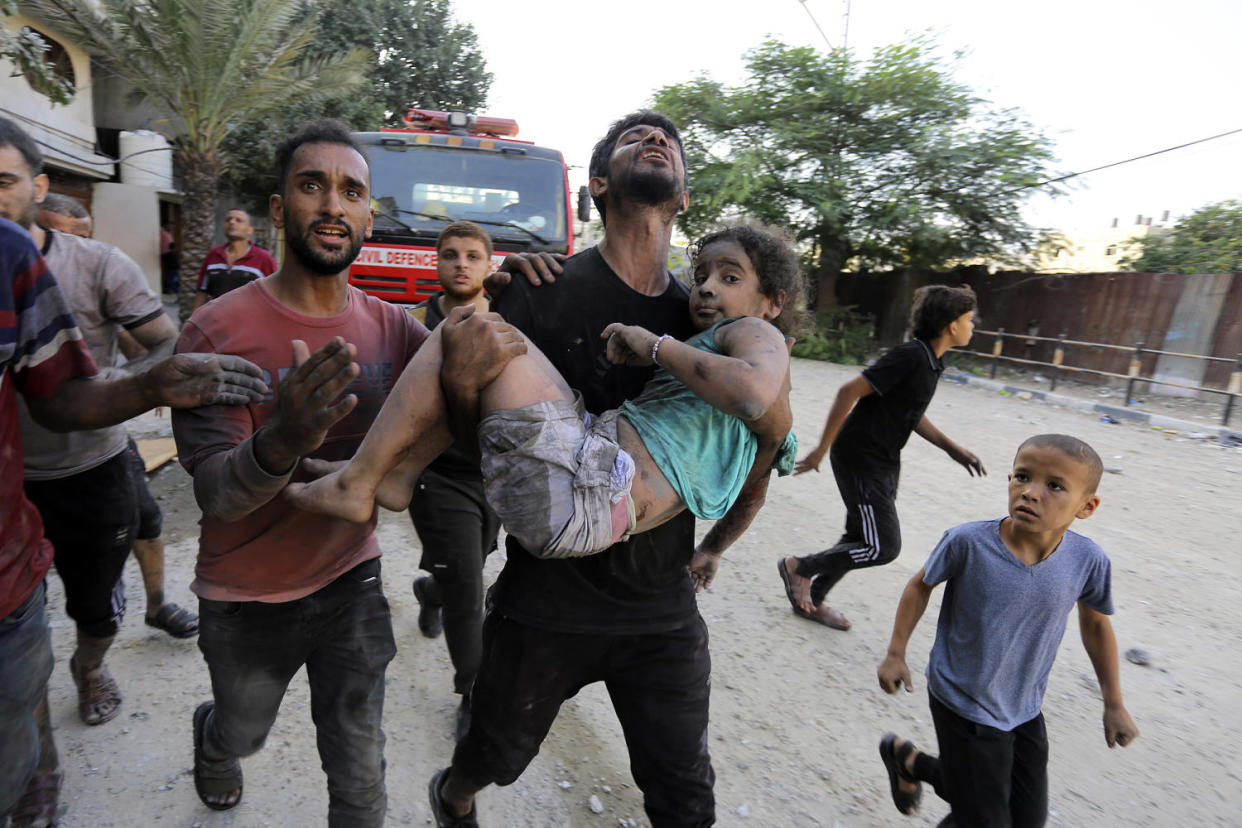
(796,712)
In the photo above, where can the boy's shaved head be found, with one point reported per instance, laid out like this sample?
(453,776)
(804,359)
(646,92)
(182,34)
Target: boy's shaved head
(1074,449)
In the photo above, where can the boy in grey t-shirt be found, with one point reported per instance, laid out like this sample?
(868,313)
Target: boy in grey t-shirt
(1010,585)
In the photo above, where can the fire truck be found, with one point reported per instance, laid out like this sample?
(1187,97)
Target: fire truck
(447,166)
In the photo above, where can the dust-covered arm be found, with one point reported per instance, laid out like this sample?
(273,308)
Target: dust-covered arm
(181,381)
(726,531)
(744,380)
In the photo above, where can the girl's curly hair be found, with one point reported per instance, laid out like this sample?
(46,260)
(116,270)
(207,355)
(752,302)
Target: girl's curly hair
(775,263)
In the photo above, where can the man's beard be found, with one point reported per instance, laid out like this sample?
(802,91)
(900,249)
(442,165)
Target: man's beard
(321,261)
(26,218)
(650,188)
(462,291)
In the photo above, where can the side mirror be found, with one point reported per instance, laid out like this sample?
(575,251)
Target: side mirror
(584,204)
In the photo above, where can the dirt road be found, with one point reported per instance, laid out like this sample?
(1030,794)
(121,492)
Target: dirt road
(796,711)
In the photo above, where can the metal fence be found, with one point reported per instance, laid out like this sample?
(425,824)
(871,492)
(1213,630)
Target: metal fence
(1132,377)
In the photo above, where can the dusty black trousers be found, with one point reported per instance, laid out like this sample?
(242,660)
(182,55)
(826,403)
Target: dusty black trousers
(659,684)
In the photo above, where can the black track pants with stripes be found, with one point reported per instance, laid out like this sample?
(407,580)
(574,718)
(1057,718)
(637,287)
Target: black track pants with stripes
(872,534)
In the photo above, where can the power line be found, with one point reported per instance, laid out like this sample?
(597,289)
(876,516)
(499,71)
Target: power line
(108,163)
(816,22)
(1126,161)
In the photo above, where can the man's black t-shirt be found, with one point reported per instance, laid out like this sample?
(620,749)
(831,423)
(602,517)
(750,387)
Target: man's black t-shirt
(875,432)
(639,586)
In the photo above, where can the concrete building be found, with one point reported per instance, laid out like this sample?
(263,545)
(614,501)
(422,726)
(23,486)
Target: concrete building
(1100,249)
(95,149)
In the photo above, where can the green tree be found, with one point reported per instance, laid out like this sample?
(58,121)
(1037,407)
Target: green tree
(418,57)
(1209,240)
(884,162)
(206,66)
(26,50)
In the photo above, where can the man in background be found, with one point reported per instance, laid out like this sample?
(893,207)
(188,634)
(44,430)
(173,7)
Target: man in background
(455,525)
(233,263)
(65,215)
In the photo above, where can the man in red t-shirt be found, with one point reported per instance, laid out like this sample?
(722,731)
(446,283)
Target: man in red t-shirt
(43,356)
(280,588)
(235,263)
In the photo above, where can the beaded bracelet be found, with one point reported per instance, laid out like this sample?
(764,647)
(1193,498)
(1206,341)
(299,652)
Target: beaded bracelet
(655,347)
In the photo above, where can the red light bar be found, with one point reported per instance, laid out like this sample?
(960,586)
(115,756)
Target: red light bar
(477,125)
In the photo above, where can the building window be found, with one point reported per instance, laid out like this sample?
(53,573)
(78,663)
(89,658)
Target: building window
(1111,251)
(55,57)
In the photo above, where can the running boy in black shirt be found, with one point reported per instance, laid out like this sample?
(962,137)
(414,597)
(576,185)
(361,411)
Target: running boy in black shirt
(868,425)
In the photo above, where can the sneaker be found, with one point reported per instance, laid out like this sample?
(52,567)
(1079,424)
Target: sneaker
(430,623)
(441,812)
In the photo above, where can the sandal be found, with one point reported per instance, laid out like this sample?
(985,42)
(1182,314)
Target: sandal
(214,778)
(826,615)
(177,621)
(789,592)
(907,802)
(95,694)
(38,806)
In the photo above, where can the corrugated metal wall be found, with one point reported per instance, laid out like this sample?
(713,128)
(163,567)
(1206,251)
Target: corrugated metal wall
(1114,308)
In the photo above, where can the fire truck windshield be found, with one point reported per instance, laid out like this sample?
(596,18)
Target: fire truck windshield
(519,199)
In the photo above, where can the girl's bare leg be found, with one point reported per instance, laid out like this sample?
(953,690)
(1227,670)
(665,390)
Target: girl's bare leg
(412,429)
(409,432)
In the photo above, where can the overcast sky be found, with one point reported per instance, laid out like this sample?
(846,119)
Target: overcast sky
(1106,79)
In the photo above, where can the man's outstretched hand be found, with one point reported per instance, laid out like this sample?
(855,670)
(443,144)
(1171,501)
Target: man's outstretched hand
(193,380)
(306,404)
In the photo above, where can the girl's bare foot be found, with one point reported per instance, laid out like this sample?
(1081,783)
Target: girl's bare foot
(333,494)
(396,490)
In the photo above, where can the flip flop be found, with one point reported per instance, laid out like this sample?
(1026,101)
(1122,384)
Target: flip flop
(214,778)
(894,762)
(175,620)
(789,593)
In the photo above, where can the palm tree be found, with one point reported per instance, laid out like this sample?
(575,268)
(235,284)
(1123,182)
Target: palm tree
(206,66)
